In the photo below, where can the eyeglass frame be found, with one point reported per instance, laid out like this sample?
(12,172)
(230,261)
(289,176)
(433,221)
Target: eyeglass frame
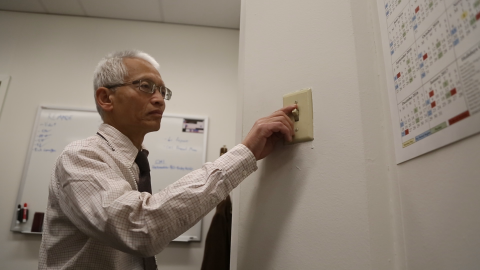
(168,92)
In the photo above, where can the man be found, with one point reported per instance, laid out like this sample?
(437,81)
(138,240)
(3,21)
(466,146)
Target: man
(101,213)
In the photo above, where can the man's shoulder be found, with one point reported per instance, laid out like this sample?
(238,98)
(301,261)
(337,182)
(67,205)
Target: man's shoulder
(87,146)
(78,145)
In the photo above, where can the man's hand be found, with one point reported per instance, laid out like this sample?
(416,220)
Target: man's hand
(267,131)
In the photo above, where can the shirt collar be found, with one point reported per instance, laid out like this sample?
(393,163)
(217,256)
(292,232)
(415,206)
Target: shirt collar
(120,143)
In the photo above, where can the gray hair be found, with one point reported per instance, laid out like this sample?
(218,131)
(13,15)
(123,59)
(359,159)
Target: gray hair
(111,69)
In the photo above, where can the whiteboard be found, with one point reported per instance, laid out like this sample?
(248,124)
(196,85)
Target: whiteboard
(177,149)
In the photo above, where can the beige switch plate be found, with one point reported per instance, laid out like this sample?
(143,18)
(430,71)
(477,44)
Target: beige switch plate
(304,126)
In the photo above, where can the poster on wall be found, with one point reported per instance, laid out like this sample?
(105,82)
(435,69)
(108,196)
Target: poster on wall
(432,58)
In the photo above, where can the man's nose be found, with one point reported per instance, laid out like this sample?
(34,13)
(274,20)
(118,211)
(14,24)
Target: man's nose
(157,97)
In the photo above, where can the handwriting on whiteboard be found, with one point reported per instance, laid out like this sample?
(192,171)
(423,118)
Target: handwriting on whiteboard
(45,132)
(172,167)
(161,164)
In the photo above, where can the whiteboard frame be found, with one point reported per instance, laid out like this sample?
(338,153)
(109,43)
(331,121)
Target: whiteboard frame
(15,228)
(4,82)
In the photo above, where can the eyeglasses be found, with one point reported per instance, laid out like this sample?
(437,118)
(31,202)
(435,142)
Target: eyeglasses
(147,86)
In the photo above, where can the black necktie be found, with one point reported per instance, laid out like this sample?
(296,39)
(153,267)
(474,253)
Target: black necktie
(145,185)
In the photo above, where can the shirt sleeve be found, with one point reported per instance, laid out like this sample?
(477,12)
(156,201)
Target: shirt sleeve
(101,203)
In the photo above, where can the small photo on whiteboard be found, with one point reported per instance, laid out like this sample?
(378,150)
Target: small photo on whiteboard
(193,126)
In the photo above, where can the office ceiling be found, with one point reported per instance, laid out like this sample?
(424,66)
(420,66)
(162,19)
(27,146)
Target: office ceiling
(213,13)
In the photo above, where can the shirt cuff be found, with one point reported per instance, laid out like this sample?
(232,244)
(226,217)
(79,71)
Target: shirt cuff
(238,164)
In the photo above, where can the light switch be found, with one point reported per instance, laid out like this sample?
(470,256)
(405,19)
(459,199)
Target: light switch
(304,114)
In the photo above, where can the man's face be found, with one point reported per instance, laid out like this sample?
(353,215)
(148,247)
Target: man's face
(135,111)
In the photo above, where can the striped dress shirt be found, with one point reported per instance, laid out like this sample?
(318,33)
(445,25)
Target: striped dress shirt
(96,218)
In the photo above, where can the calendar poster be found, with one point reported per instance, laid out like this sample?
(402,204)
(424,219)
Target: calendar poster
(432,58)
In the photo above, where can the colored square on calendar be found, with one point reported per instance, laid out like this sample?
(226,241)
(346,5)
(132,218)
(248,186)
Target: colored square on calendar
(434,104)
(417,9)
(406,132)
(425,56)
(459,117)
(398,75)
(431,93)
(453,91)
(478,16)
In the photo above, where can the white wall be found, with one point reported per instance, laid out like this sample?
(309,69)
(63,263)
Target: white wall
(51,59)
(307,206)
(341,202)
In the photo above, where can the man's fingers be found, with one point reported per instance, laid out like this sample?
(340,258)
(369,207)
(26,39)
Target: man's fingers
(280,115)
(288,109)
(283,119)
(268,130)
(279,127)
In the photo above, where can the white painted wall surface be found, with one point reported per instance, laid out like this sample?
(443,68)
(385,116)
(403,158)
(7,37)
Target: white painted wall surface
(51,60)
(307,206)
(341,202)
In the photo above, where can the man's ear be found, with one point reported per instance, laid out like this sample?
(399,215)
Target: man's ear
(102,96)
